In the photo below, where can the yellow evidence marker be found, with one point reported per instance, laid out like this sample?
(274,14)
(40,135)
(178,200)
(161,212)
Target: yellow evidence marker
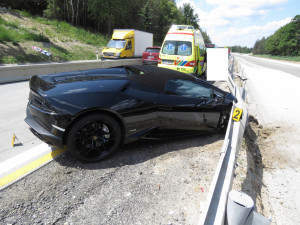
(237,113)
(13,140)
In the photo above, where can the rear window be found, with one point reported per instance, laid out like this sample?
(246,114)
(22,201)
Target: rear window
(152,50)
(177,48)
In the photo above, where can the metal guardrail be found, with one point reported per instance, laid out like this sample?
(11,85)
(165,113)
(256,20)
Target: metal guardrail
(20,72)
(215,207)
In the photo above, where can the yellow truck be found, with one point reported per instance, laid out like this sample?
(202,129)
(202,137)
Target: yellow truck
(127,43)
(183,50)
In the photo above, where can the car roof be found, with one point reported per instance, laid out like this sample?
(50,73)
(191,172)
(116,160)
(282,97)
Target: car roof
(156,47)
(155,77)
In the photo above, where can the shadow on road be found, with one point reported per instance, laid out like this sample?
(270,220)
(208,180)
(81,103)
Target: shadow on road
(141,151)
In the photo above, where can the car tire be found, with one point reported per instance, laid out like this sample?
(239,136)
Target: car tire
(94,137)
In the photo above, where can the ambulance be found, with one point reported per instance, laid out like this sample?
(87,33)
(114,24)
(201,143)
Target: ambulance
(183,50)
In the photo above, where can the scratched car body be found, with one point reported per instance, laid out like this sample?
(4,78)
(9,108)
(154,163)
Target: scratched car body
(93,112)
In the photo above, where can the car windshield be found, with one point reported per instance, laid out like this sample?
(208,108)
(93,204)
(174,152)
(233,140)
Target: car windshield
(177,48)
(152,50)
(116,44)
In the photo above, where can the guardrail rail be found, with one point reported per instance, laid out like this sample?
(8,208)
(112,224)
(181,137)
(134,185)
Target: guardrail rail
(215,206)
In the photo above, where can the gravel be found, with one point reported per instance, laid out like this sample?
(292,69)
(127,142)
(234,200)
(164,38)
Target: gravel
(145,182)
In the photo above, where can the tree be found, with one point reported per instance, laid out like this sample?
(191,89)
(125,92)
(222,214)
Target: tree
(205,37)
(240,49)
(35,7)
(286,40)
(260,46)
(155,16)
(189,17)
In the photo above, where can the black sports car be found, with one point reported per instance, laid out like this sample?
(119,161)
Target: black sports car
(93,112)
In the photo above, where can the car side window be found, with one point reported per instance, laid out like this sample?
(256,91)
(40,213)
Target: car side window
(128,45)
(187,88)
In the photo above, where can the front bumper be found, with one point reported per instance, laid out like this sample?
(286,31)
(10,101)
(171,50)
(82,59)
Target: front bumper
(42,133)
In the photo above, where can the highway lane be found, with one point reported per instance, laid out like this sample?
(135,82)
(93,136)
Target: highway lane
(273,98)
(274,89)
(290,68)
(13,101)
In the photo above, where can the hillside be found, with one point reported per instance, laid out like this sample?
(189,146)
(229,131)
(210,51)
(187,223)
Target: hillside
(19,32)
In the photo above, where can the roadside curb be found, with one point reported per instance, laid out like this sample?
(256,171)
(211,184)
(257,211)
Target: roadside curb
(21,165)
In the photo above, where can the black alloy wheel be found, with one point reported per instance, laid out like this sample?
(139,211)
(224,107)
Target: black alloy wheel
(94,137)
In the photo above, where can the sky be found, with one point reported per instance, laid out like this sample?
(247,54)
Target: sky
(242,22)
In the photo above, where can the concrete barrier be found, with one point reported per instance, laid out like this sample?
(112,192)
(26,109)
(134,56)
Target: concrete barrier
(20,72)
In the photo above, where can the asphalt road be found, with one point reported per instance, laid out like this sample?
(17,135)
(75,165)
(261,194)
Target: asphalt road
(273,98)
(274,89)
(292,69)
(13,101)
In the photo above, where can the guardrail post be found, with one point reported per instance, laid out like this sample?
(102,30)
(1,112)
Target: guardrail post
(239,207)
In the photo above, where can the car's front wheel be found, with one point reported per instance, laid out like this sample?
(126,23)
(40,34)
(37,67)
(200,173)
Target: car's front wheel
(94,137)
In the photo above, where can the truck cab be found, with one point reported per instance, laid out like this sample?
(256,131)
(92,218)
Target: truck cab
(121,45)
(127,43)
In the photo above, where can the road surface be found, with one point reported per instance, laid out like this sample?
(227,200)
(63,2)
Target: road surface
(13,101)
(273,97)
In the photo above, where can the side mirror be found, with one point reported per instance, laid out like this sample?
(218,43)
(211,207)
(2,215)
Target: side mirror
(218,98)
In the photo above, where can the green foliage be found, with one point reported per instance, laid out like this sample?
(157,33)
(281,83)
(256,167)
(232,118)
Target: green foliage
(22,58)
(284,42)
(259,46)
(168,14)
(189,17)
(240,49)
(35,7)
(66,19)
(286,58)
(205,37)
(12,32)
(155,16)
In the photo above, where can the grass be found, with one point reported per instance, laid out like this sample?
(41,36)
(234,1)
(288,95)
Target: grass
(60,54)
(286,58)
(68,43)
(74,33)
(13,32)
(22,58)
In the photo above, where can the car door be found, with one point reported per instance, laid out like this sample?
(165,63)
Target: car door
(187,105)
(139,113)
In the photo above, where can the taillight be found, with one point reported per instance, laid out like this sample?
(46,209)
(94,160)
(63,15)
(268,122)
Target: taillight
(159,61)
(191,63)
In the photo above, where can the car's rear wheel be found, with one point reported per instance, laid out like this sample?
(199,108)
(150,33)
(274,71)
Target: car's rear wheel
(94,137)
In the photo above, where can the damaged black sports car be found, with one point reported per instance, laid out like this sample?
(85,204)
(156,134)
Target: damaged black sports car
(94,111)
